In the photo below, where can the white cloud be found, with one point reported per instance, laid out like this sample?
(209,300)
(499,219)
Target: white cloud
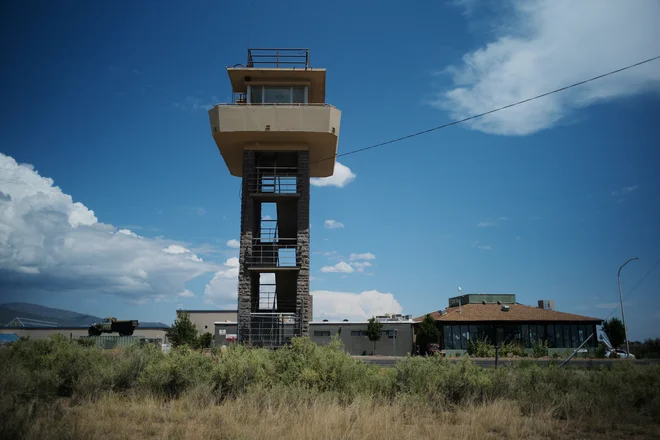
(341,267)
(51,244)
(333,224)
(340,178)
(547,44)
(483,247)
(485,224)
(175,249)
(365,256)
(625,190)
(353,306)
(186,294)
(361,264)
(223,287)
(127,232)
(233,243)
(266,217)
(193,104)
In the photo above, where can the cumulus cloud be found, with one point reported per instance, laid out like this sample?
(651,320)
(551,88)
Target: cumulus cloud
(547,44)
(51,244)
(333,224)
(365,256)
(233,243)
(340,178)
(353,306)
(341,267)
(223,287)
(625,190)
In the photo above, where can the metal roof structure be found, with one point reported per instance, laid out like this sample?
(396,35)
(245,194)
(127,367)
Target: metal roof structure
(19,322)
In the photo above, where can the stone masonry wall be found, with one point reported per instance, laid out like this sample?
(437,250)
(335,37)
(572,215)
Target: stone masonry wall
(247,220)
(303,300)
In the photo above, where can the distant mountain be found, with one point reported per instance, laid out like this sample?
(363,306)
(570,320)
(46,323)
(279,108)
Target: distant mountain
(63,318)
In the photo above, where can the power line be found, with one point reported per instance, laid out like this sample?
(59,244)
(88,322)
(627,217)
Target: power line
(636,285)
(419,133)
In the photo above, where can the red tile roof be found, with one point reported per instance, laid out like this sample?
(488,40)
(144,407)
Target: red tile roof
(493,312)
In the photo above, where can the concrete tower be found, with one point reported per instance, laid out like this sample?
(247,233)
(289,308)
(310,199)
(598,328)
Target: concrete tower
(275,134)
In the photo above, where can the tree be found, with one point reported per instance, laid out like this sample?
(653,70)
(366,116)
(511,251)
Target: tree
(374,329)
(204,340)
(428,332)
(615,331)
(182,332)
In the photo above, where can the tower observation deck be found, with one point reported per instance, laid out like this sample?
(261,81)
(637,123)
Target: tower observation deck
(277,132)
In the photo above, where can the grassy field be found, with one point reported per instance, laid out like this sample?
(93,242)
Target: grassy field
(55,389)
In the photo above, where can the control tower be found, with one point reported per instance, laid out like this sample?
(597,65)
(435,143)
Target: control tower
(276,133)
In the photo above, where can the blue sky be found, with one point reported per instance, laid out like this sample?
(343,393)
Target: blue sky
(545,200)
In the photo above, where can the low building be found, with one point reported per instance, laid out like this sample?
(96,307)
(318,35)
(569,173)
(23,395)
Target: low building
(501,319)
(149,333)
(396,337)
(205,320)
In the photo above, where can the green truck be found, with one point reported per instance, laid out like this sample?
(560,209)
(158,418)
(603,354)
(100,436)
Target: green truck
(112,325)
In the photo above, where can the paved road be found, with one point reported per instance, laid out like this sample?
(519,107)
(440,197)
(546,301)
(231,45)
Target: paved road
(386,361)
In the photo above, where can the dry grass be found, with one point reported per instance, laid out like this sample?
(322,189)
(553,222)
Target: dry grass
(320,416)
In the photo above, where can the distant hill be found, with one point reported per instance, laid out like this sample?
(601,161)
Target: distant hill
(63,318)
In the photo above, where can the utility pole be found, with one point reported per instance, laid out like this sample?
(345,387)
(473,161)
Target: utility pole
(623,317)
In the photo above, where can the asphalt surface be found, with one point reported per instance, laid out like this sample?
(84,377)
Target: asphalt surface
(385,361)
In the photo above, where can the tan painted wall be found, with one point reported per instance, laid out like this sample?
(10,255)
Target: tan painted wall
(235,127)
(74,333)
(205,321)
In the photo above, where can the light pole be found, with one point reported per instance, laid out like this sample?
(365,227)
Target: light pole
(623,317)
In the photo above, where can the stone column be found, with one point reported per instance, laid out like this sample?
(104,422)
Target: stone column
(303,301)
(247,223)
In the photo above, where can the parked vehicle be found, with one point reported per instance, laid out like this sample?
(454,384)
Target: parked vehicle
(619,354)
(111,325)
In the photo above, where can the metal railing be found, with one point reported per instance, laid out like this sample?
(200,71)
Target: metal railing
(273,329)
(236,101)
(278,58)
(279,253)
(274,180)
(269,301)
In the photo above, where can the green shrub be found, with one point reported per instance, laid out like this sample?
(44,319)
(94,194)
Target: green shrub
(481,348)
(182,369)
(540,348)
(512,349)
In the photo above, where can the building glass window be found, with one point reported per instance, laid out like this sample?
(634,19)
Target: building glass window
(473,333)
(298,95)
(582,332)
(321,333)
(256,95)
(541,332)
(277,95)
(567,336)
(533,334)
(559,336)
(551,336)
(456,332)
(574,336)
(447,337)
(357,333)
(525,335)
(465,336)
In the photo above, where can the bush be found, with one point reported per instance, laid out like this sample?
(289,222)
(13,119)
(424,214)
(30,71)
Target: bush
(540,348)
(33,373)
(182,369)
(481,348)
(512,349)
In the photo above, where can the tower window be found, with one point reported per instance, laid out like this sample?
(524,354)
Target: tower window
(277,95)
